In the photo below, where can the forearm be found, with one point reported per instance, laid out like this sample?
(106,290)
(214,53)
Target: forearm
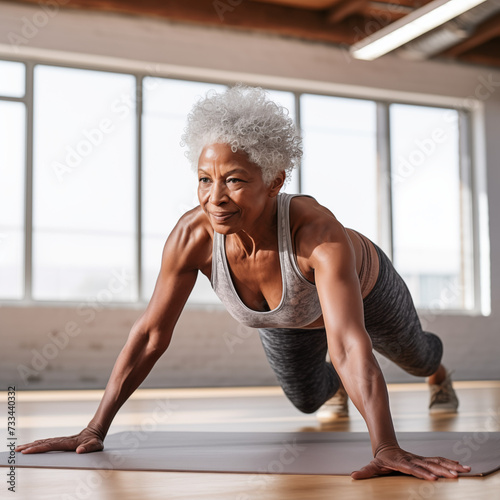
(365,384)
(132,366)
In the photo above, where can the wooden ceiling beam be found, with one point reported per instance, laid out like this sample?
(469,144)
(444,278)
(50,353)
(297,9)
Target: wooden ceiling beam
(401,3)
(382,10)
(247,15)
(484,59)
(303,4)
(343,10)
(487,54)
(486,31)
(413,4)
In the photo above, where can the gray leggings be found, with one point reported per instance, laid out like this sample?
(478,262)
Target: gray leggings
(298,356)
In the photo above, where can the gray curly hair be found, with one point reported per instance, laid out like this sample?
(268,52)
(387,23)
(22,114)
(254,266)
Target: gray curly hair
(246,119)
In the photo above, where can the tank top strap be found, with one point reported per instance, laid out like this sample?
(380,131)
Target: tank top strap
(217,257)
(289,256)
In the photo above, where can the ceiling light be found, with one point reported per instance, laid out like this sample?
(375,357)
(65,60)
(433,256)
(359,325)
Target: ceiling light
(410,27)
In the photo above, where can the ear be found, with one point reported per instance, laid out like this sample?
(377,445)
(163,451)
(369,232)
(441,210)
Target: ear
(277,184)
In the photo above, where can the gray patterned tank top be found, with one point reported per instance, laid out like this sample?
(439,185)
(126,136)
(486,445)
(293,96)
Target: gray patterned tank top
(299,304)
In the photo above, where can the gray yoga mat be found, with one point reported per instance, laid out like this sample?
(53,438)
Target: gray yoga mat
(337,453)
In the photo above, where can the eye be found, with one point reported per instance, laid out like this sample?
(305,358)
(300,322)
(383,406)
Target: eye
(204,180)
(234,180)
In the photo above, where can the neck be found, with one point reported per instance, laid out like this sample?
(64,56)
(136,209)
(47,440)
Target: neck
(262,235)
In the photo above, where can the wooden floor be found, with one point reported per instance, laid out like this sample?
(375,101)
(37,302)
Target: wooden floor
(48,414)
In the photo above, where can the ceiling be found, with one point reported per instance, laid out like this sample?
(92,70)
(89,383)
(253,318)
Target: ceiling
(473,37)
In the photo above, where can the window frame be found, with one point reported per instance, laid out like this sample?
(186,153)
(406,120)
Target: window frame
(472,167)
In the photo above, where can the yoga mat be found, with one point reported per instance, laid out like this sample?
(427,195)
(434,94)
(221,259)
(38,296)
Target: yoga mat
(337,453)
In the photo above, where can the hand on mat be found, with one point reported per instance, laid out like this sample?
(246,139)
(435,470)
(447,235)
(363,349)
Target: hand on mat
(86,441)
(396,459)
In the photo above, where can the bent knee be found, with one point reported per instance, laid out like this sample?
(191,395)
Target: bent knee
(306,402)
(307,406)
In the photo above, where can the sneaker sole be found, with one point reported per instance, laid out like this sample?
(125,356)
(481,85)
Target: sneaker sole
(443,410)
(333,418)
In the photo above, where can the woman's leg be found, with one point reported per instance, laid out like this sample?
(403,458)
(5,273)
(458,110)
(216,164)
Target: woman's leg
(392,322)
(393,325)
(438,377)
(298,358)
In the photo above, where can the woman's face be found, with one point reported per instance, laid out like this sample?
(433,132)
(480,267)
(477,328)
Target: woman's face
(231,190)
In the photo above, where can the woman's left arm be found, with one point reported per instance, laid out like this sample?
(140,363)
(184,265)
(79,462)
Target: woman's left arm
(350,349)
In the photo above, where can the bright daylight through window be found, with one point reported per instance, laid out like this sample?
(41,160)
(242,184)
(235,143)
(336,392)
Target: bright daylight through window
(85,203)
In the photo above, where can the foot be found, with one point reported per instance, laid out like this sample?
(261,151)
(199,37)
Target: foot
(443,397)
(335,408)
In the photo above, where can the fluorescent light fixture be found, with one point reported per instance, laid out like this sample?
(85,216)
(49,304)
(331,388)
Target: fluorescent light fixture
(411,26)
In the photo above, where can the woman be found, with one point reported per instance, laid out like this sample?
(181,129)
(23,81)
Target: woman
(285,265)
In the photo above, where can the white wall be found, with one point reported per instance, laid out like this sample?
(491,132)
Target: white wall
(209,348)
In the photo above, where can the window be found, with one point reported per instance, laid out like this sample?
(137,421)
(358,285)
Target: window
(12,179)
(12,79)
(392,171)
(430,252)
(83,185)
(340,158)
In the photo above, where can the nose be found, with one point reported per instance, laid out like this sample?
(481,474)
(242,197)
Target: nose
(218,193)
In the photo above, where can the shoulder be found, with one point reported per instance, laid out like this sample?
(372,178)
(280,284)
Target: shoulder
(189,245)
(317,233)
(309,220)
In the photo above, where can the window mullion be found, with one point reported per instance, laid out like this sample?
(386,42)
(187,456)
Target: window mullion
(138,110)
(384,230)
(469,238)
(299,131)
(28,215)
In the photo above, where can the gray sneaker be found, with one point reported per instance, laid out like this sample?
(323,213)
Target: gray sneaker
(443,397)
(335,408)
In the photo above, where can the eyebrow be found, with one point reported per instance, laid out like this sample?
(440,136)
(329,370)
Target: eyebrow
(232,171)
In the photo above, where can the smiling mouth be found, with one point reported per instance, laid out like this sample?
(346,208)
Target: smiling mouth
(222,217)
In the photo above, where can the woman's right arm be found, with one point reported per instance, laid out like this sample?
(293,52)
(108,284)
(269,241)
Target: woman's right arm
(147,341)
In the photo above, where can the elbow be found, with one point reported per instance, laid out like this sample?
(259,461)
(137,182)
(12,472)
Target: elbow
(158,341)
(349,348)
(152,341)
